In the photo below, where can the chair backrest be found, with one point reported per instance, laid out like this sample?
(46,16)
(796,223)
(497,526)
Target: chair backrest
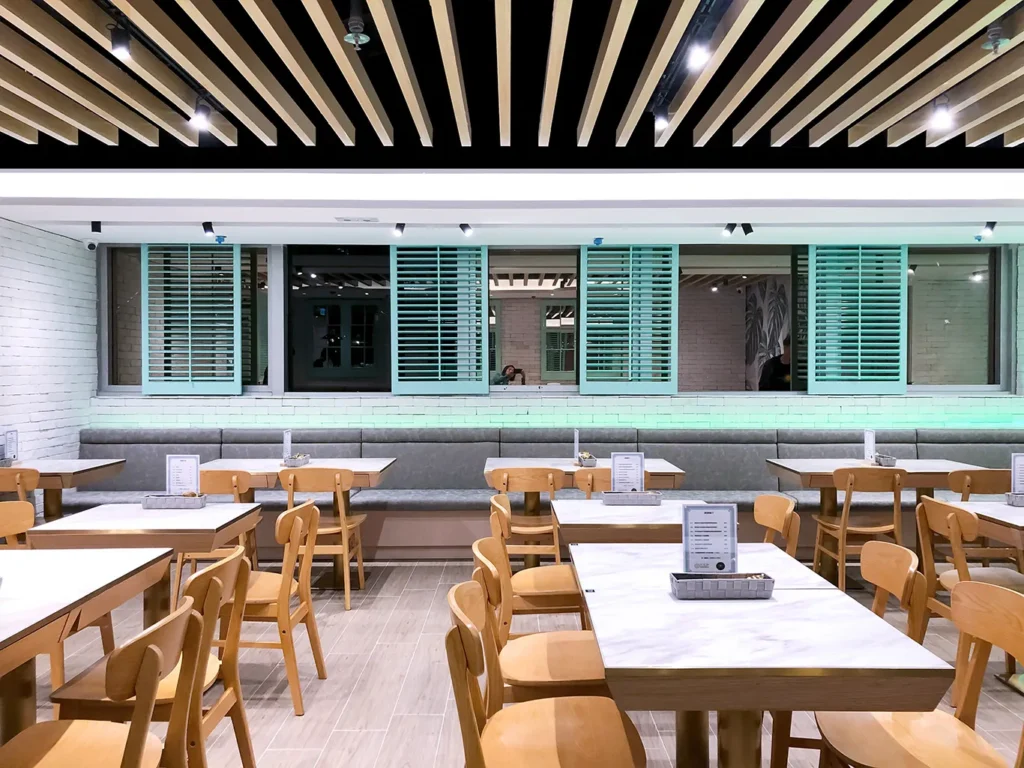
(225,481)
(138,666)
(947,522)
(872,480)
(986,616)
(472,652)
(777,516)
(593,480)
(20,480)
(501,516)
(968,481)
(893,571)
(318,480)
(527,479)
(491,558)
(16,517)
(296,531)
(227,579)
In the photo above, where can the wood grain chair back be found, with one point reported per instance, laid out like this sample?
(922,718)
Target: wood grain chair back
(318,480)
(19,480)
(947,523)
(593,480)
(16,517)
(872,480)
(136,669)
(968,481)
(501,516)
(296,530)
(223,580)
(224,482)
(473,652)
(892,570)
(777,515)
(491,559)
(986,615)
(530,479)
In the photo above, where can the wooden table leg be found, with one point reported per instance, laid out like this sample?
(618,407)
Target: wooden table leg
(782,726)
(739,739)
(531,506)
(827,508)
(692,738)
(156,600)
(53,506)
(17,700)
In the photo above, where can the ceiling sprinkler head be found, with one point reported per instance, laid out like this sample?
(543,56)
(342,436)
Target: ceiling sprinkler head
(996,39)
(357,33)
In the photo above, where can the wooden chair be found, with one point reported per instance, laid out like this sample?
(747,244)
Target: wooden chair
(85,697)
(777,516)
(987,616)
(345,526)
(892,570)
(541,665)
(985,481)
(218,482)
(843,530)
(269,596)
(133,672)
(546,733)
(19,480)
(547,589)
(532,528)
(593,480)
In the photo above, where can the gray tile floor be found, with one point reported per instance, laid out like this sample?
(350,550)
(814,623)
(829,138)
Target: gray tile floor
(387,700)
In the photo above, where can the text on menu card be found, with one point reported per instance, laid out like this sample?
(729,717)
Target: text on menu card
(182,474)
(1017,462)
(627,472)
(709,538)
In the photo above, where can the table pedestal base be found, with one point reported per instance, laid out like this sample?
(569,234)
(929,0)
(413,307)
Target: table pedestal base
(17,700)
(692,732)
(739,739)
(53,504)
(156,600)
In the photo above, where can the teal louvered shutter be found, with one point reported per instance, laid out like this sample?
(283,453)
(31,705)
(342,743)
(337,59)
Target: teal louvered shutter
(191,320)
(857,323)
(628,314)
(439,331)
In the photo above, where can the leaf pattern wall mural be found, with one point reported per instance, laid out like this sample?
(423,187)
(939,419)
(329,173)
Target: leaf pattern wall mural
(767,324)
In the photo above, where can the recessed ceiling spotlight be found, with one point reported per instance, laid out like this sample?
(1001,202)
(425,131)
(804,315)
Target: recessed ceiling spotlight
(714,289)
(295,287)
(660,122)
(743,277)
(729,229)
(313,275)
(697,57)
(208,229)
(748,229)
(97,227)
(466,229)
(989,229)
(120,42)
(941,118)
(399,230)
(911,269)
(977,277)
(201,117)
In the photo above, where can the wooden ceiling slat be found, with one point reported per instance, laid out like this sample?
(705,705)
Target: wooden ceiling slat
(58,75)
(1015,136)
(560,12)
(273,26)
(157,25)
(950,35)
(989,109)
(793,21)
(503,40)
(13,127)
(1001,122)
(448,41)
(36,23)
(394,43)
(990,74)
(677,19)
(13,105)
(910,22)
(209,18)
(95,23)
(619,17)
(35,91)
(853,20)
(728,32)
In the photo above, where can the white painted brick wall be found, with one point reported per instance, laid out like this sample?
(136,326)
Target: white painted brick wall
(949,332)
(712,340)
(519,326)
(47,339)
(126,314)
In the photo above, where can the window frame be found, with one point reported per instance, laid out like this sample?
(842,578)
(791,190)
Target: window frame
(545,373)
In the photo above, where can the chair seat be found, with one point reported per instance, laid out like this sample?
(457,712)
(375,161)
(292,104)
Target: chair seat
(570,732)
(906,740)
(552,659)
(264,587)
(332,525)
(81,743)
(555,580)
(530,524)
(1001,577)
(862,526)
(90,685)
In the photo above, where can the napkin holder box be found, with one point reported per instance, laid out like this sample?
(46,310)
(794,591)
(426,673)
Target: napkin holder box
(721,586)
(6,463)
(299,460)
(170,501)
(882,460)
(588,463)
(1015,499)
(631,498)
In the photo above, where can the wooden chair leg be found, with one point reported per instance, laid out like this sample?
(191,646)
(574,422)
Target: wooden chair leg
(359,559)
(818,544)
(179,564)
(842,565)
(291,665)
(347,575)
(314,643)
(240,725)
(1011,665)
(782,723)
(57,674)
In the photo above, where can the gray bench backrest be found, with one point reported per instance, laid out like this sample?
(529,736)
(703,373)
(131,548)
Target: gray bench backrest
(984,447)
(842,444)
(145,452)
(534,443)
(269,443)
(715,459)
(433,458)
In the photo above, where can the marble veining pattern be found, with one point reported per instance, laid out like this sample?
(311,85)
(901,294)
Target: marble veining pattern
(569,466)
(828,466)
(131,518)
(273,466)
(66,466)
(995,511)
(572,512)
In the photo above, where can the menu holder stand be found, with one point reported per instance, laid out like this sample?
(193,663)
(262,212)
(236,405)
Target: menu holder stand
(721,586)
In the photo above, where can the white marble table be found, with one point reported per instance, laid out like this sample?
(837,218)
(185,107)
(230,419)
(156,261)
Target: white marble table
(924,474)
(662,474)
(809,647)
(57,474)
(590,520)
(368,472)
(45,596)
(997,520)
(129,526)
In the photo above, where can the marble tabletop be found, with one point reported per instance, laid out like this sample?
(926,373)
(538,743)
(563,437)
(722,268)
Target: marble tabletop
(827,466)
(572,512)
(132,518)
(569,466)
(995,512)
(273,466)
(67,466)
